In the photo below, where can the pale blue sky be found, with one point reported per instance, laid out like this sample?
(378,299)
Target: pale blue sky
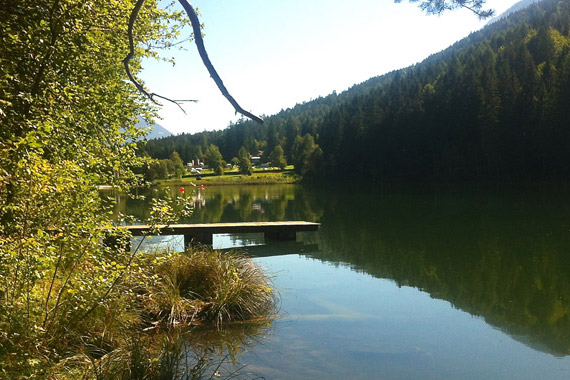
(273,54)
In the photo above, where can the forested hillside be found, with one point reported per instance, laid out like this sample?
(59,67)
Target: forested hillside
(495,105)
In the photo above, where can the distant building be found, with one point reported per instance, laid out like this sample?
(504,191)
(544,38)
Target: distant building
(195,166)
(256,160)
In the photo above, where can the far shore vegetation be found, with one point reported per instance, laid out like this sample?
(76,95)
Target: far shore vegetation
(257,177)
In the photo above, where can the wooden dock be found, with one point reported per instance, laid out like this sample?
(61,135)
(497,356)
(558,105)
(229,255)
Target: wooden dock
(203,233)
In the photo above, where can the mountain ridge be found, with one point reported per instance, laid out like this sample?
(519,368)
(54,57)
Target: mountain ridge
(156,131)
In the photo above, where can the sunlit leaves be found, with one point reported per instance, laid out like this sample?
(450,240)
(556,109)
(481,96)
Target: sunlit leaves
(68,124)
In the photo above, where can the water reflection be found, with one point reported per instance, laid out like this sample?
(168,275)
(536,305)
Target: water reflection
(232,204)
(184,354)
(498,252)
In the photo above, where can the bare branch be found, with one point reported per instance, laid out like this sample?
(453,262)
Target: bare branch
(140,87)
(206,60)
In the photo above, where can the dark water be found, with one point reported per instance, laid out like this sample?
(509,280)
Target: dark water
(409,282)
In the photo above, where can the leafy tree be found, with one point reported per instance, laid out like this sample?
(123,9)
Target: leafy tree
(307,156)
(277,158)
(214,159)
(313,163)
(213,156)
(177,165)
(68,117)
(297,153)
(244,161)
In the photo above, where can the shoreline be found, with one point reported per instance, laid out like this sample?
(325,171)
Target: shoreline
(234,179)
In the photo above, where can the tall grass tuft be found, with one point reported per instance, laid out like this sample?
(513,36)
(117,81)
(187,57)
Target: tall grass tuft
(205,285)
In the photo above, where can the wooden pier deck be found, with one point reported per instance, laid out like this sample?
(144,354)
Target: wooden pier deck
(203,233)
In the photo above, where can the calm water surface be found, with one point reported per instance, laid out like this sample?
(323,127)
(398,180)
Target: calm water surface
(408,282)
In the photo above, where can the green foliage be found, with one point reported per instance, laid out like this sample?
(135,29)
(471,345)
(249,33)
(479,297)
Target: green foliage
(244,162)
(172,167)
(214,159)
(177,165)
(67,113)
(277,158)
(307,156)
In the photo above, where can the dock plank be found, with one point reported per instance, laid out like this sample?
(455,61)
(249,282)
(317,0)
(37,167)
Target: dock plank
(204,232)
(222,228)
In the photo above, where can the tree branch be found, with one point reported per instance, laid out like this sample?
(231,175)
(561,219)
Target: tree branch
(140,87)
(437,7)
(206,60)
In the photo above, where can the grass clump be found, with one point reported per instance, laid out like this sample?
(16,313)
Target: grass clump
(203,285)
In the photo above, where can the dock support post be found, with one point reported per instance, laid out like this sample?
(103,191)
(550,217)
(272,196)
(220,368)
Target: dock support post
(204,238)
(281,235)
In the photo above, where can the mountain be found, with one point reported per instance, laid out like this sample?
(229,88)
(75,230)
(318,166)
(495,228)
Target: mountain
(493,106)
(516,7)
(157,131)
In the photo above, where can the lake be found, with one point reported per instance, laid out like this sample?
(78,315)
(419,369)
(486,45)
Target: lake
(406,281)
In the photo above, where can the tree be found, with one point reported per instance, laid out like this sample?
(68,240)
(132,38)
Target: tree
(244,161)
(68,117)
(277,158)
(307,156)
(214,159)
(313,163)
(177,164)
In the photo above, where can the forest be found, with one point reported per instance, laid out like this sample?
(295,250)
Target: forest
(494,106)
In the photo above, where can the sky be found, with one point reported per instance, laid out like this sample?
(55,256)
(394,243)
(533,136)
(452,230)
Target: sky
(273,54)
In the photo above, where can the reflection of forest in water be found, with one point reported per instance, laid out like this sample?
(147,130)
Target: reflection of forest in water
(496,252)
(502,254)
(233,203)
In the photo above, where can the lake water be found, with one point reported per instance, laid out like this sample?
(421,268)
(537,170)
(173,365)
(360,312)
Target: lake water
(407,282)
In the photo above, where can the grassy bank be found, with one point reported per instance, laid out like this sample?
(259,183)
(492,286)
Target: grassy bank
(234,178)
(145,327)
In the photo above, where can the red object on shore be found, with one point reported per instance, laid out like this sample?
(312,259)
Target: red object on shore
(202,187)
(181,189)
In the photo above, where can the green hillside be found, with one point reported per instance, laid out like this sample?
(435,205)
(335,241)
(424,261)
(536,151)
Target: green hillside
(492,106)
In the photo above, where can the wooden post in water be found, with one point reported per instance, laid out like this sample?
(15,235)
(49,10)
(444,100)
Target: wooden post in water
(202,238)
